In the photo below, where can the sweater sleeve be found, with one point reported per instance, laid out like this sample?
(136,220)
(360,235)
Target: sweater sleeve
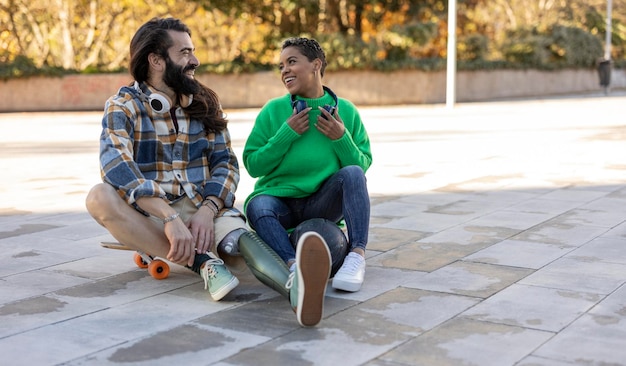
(268,141)
(353,148)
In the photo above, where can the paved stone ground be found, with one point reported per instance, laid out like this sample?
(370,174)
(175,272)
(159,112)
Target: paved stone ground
(498,237)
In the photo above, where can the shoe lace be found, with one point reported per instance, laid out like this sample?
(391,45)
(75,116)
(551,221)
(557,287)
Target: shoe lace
(351,264)
(209,271)
(289,283)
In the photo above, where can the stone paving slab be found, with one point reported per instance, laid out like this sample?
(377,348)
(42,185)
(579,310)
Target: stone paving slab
(497,237)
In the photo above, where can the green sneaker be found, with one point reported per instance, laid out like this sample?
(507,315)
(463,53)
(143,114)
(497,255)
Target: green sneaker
(307,284)
(217,278)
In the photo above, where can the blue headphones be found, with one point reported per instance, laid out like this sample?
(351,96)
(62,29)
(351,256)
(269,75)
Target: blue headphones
(300,104)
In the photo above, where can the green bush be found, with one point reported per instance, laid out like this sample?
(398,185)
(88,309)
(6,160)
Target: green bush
(573,47)
(526,47)
(473,47)
(22,66)
(399,48)
(347,52)
(236,66)
(558,47)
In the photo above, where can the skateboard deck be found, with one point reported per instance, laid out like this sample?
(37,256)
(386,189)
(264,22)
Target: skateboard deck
(157,268)
(114,245)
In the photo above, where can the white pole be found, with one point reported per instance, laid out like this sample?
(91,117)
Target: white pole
(607,46)
(451,64)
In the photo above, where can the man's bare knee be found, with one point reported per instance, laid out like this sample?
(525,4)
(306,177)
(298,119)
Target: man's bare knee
(100,200)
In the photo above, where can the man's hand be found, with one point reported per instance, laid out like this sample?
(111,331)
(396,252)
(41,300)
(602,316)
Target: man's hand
(181,243)
(178,235)
(202,229)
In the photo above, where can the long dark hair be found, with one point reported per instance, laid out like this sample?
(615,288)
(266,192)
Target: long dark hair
(153,37)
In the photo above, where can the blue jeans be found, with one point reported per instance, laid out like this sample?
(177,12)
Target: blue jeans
(343,196)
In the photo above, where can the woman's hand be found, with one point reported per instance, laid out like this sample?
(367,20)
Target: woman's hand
(299,122)
(330,125)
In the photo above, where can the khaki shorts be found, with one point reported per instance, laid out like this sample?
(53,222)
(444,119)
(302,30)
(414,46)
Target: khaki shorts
(223,224)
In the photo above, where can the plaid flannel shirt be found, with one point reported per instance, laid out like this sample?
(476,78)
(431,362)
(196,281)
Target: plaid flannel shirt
(147,154)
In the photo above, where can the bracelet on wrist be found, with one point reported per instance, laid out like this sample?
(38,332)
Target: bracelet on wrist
(171,218)
(212,210)
(212,205)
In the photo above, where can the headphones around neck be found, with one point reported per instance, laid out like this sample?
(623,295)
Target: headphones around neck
(300,104)
(160,102)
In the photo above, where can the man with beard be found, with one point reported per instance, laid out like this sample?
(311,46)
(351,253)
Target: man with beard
(169,172)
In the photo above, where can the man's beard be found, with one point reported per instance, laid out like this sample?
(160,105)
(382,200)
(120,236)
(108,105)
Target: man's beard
(176,79)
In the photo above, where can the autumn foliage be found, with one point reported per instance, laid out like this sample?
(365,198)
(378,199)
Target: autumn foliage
(40,36)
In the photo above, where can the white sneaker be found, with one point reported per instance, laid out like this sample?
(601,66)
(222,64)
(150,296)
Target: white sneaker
(350,275)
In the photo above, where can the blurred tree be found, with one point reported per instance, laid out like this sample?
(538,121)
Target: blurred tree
(73,34)
(243,35)
(502,18)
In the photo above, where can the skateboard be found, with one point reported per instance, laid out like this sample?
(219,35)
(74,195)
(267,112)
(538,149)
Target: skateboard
(157,268)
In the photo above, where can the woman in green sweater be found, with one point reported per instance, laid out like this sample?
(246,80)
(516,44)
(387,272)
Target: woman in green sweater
(309,151)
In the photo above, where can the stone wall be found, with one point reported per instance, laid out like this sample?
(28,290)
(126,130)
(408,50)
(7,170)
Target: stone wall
(89,92)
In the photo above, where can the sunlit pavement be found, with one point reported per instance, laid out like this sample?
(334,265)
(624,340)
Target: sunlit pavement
(498,237)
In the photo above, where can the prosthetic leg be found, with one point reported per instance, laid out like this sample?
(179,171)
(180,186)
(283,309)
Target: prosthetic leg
(264,263)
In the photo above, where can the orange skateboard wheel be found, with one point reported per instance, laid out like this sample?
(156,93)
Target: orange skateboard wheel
(158,269)
(139,261)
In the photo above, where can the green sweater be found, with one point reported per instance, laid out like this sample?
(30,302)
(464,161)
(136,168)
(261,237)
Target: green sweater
(291,165)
